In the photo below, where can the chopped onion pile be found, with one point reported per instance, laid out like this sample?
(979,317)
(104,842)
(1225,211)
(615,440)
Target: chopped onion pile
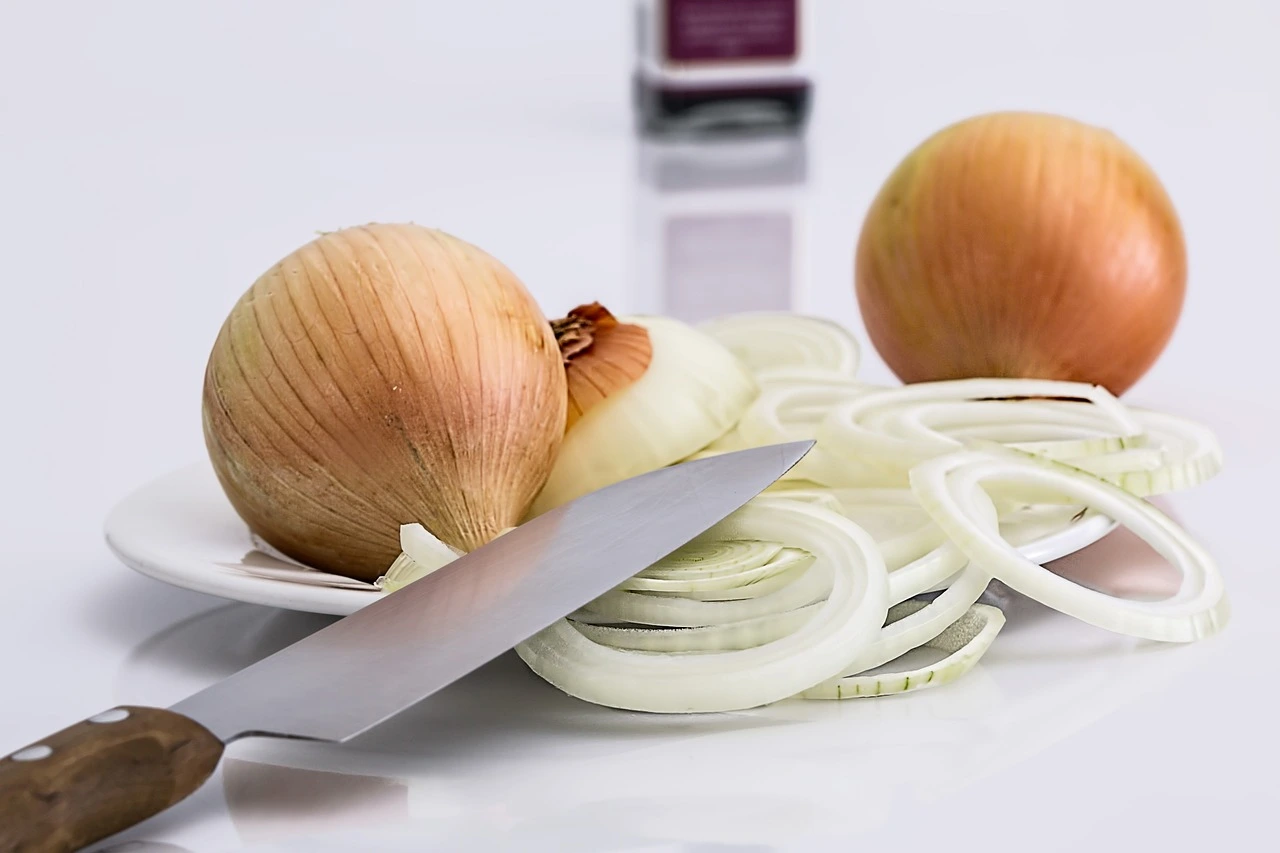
(881,543)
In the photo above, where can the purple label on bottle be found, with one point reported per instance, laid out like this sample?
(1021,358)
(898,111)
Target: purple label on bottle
(709,30)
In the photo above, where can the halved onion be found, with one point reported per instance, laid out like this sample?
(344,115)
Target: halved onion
(692,392)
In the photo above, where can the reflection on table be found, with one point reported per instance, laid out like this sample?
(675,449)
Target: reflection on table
(719,225)
(501,760)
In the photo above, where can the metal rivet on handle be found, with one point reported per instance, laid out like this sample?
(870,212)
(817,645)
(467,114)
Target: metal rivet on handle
(32,753)
(115,715)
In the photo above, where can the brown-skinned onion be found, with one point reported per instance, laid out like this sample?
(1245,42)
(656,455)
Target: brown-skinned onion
(1021,245)
(380,376)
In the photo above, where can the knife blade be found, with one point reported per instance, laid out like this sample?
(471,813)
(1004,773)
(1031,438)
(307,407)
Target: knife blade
(101,776)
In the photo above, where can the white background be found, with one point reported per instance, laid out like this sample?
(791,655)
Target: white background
(156,157)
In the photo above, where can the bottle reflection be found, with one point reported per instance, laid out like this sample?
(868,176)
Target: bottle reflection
(720,225)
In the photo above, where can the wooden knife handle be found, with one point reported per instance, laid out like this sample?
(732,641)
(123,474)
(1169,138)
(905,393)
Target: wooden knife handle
(99,777)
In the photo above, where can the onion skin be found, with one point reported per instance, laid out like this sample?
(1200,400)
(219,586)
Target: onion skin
(378,376)
(1021,245)
(601,356)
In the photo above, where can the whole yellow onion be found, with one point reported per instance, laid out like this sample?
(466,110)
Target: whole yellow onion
(1021,245)
(379,376)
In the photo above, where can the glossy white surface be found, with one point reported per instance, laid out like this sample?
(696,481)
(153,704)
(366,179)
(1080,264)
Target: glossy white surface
(155,157)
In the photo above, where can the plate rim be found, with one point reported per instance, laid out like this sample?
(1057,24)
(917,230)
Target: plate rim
(137,550)
(127,539)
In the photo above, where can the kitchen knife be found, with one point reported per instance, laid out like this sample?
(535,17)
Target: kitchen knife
(109,772)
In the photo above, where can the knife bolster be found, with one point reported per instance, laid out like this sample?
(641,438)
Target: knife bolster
(101,776)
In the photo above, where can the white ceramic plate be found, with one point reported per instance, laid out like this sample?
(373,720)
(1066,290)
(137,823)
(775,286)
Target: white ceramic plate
(181,529)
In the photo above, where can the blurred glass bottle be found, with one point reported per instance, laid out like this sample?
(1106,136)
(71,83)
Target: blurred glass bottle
(720,225)
(710,65)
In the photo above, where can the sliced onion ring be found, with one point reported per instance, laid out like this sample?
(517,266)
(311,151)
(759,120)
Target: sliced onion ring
(849,618)
(1178,454)
(791,412)
(949,488)
(893,517)
(935,570)
(730,636)
(624,606)
(771,343)
(1052,428)
(850,433)
(923,624)
(966,640)
(920,625)
(790,566)
(705,558)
